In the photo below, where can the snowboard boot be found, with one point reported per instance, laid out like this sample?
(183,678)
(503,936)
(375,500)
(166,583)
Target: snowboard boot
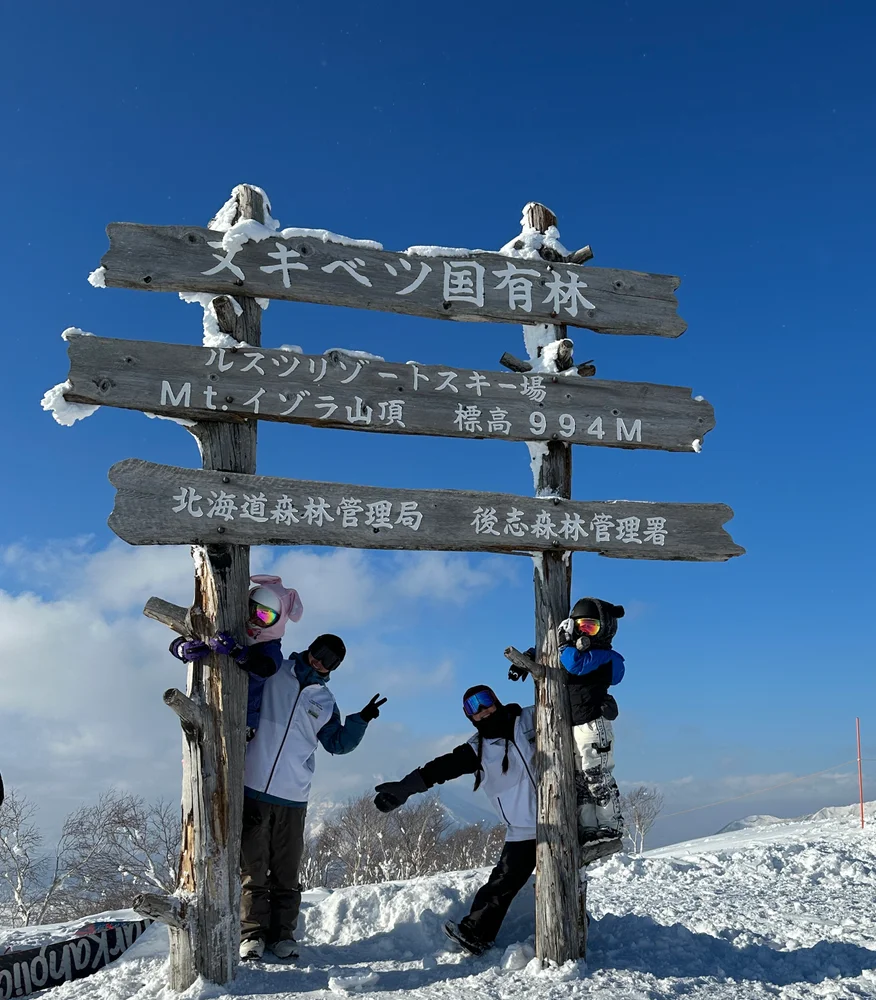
(471,944)
(252,951)
(285,949)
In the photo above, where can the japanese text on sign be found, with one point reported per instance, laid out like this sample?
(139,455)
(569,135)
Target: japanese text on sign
(461,280)
(352,512)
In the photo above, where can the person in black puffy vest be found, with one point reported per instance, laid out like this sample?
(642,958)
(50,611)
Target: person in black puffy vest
(592,667)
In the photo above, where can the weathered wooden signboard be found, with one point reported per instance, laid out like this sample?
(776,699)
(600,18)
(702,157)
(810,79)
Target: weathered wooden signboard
(166,505)
(298,265)
(222,393)
(359,393)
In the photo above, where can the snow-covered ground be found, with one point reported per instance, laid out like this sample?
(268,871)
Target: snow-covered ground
(783,909)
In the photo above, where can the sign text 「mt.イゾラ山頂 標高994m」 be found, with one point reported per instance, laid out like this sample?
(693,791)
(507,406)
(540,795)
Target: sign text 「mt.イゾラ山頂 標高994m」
(363,393)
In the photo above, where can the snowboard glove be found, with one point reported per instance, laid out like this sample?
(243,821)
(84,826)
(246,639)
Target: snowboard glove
(582,643)
(189,650)
(565,632)
(392,794)
(227,645)
(516,673)
(609,708)
(372,709)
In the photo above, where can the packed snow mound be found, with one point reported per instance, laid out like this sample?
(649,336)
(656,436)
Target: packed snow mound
(777,911)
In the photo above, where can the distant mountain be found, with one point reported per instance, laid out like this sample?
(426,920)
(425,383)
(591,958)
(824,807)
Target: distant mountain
(851,812)
(750,822)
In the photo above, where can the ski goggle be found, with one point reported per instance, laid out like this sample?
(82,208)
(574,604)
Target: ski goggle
(264,616)
(589,626)
(326,656)
(477,702)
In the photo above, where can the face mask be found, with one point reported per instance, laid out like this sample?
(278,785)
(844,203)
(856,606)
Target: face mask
(494,726)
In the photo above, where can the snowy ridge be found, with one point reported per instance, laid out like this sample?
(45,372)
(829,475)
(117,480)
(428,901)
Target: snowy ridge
(843,813)
(781,910)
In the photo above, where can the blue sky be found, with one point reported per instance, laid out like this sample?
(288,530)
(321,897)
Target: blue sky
(733,146)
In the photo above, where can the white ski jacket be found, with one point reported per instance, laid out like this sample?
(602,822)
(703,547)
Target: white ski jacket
(512,794)
(297,711)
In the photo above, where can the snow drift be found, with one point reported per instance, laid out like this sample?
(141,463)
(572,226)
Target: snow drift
(773,910)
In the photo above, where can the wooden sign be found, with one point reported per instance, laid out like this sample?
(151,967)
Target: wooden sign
(166,505)
(358,393)
(447,284)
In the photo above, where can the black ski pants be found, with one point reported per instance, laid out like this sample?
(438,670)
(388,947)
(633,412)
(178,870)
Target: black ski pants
(516,863)
(270,856)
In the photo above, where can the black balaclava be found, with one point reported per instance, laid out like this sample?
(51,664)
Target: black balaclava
(329,650)
(495,725)
(605,612)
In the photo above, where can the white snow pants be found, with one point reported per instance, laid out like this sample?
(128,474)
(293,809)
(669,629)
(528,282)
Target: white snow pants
(598,796)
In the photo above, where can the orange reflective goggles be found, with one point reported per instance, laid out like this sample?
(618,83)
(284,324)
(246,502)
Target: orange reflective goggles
(589,626)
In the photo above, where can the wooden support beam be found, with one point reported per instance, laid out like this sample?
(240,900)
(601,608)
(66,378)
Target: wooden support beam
(167,910)
(536,670)
(172,615)
(214,710)
(189,712)
(560,896)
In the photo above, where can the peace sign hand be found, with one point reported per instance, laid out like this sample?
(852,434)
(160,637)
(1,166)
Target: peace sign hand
(372,709)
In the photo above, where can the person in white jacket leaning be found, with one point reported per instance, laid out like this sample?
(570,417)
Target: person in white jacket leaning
(500,755)
(297,712)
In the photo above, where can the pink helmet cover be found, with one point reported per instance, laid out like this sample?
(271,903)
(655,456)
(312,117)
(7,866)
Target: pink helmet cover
(291,608)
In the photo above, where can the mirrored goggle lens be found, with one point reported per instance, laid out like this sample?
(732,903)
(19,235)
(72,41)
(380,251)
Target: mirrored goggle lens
(478,702)
(326,656)
(589,626)
(265,616)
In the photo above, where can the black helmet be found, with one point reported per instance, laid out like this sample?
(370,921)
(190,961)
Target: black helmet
(329,650)
(605,613)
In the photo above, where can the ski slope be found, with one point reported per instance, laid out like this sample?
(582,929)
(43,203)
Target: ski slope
(784,910)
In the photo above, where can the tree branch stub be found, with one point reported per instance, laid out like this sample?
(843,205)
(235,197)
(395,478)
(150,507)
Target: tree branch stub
(519,659)
(167,910)
(189,712)
(172,615)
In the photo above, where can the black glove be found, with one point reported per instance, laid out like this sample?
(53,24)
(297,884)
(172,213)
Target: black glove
(516,673)
(609,708)
(392,794)
(372,709)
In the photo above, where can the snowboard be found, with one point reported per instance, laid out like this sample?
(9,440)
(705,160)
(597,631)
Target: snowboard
(593,851)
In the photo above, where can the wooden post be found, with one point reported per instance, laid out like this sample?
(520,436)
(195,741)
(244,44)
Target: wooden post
(560,925)
(205,933)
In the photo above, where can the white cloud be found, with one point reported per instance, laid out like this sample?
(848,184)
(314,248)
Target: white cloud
(82,671)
